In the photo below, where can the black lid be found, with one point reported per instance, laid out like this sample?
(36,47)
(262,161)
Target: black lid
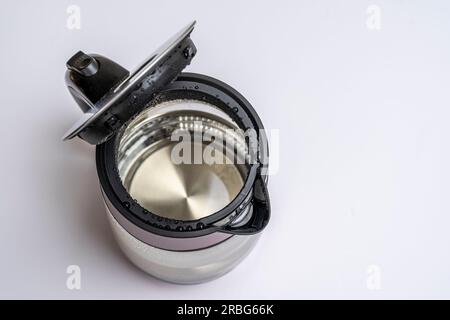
(109,95)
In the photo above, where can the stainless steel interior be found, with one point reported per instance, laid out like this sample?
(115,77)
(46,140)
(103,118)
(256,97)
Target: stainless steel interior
(186,191)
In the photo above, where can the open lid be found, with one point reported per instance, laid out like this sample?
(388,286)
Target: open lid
(109,95)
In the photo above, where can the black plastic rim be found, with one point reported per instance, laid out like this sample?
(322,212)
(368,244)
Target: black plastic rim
(186,86)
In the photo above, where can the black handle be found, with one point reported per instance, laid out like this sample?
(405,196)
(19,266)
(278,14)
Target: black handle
(261,211)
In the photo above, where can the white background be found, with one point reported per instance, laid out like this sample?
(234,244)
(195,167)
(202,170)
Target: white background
(363,181)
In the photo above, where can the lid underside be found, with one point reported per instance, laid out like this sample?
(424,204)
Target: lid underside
(125,99)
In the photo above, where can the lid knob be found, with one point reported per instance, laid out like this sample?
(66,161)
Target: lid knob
(83,64)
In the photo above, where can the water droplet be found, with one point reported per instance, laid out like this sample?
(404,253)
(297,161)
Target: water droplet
(200,225)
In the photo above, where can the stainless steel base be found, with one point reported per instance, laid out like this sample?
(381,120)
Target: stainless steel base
(182,191)
(187,267)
